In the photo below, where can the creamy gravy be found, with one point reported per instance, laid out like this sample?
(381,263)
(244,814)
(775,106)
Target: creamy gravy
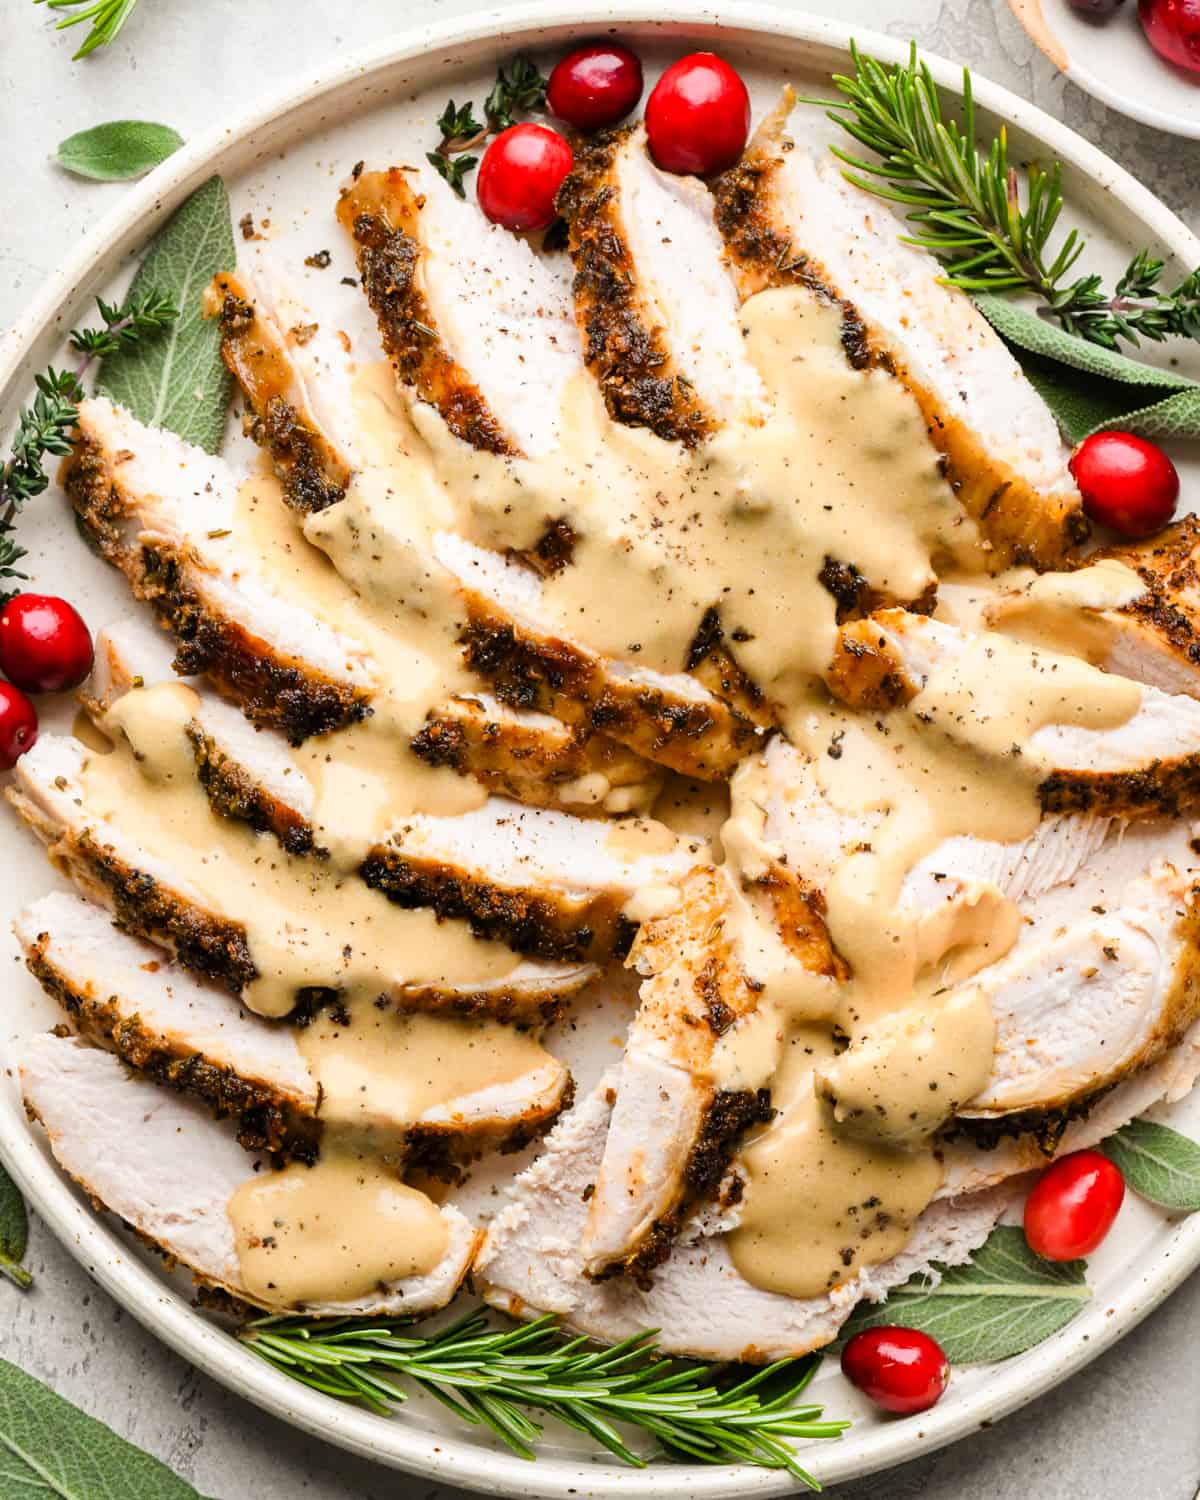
(841,471)
(334,1232)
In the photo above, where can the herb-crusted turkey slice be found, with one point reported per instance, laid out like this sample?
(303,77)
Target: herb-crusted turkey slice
(544,882)
(655,303)
(789,217)
(670,719)
(164,512)
(531,1262)
(536,759)
(125,995)
(158,1161)
(1148,765)
(679,1114)
(152,898)
(476,324)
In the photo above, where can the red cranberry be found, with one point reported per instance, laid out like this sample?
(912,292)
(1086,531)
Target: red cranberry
(1073,1205)
(1173,30)
(900,1369)
(1126,482)
(595,86)
(44,644)
(18,725)
(520,175)
(698,116)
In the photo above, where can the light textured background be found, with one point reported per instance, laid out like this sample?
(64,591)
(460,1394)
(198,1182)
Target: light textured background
(1127,1427)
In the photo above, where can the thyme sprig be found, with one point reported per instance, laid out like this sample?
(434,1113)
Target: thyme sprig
(967,206)
(519,90)
(107,18)
(44,427)
(490,1377)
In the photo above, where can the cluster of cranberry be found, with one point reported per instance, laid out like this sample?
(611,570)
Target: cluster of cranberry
(697,120)
(44,648)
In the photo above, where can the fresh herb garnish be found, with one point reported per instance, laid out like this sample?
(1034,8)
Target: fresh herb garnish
(14,1233)
(453,168)
(1004,1301)
(43,428)
(179,380)
(1158,1163)
(50,1448)
(1089,388)
(490,1377)
(967,207)
(107,18)
(515,92)
(118,149)
(519,93)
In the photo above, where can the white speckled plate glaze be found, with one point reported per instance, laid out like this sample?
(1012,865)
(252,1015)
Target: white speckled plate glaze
(283,162)
(1112,60)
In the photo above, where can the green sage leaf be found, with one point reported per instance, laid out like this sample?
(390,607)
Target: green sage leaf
(1158,1163)
(1002,1303)
(1089,388)
(118,149)
(50,1448)
(14,1233)
(176,379)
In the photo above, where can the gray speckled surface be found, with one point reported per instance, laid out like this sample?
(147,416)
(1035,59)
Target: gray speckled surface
(1129,1426)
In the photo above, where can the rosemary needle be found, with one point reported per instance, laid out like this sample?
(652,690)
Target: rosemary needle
(107,18)
(966,204)
(489,1376)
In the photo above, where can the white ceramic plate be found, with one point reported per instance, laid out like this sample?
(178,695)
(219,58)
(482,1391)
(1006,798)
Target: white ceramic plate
(283,163)
(1112,60)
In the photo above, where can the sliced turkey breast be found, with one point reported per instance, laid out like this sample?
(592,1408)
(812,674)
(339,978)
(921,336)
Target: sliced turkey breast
(980,1157)
(672,720)
(783,792)
(313,470)
(164,512)
(1149,764)
(157,1161)
(1081,1007)
(152,899)
(536,759)
(544,882)
(1132,609)
(248,774)
(124,994)
(791,218)
(476,324)
(674,1123)
(531,1262)
(655,303)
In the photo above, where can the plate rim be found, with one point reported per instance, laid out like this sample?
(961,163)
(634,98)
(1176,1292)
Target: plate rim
(1031,17)
(110,1261)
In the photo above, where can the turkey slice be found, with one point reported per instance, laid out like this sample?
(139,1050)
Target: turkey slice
(789,217)
(125,995)
(531,1262)
(164,512)
(158,1161)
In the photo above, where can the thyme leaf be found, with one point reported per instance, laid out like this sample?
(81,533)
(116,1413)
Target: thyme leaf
(517,91)
(44,427)
(452,168)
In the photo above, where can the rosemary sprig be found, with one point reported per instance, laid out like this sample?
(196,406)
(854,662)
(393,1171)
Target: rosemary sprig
(517,91)
(107,18)
(968,208)
(43,428)
(490,1376)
